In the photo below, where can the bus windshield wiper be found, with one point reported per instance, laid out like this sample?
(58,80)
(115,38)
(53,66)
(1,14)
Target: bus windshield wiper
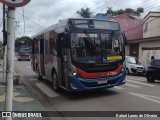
(111,36)
(90,39)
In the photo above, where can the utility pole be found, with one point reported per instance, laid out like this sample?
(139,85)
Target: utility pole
(12,4)
(4,45)
(10,59)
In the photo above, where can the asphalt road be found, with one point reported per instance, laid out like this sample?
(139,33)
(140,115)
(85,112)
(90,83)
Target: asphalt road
(136,95)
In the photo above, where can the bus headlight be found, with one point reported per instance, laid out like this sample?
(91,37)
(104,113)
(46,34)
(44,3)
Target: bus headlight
(74,74)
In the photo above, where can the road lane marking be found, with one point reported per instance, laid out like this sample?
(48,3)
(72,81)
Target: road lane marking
(119,88)
(33,79)
(130,85)
(45,89)
(141,83)
(147,97)
(136,79)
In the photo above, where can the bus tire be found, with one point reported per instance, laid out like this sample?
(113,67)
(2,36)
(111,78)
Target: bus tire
(38,74)
(55,81)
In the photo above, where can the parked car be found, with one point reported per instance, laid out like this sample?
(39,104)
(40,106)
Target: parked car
(133,66)
(153,72)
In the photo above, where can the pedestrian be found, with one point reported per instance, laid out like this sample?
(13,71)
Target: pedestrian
(152,58)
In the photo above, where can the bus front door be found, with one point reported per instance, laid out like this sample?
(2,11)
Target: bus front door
(64,70)
(42,57)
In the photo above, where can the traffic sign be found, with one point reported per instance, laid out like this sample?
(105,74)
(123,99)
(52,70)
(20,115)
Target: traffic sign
(15,3)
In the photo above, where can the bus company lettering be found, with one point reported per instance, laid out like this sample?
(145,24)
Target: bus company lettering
(22,115)
(34,115)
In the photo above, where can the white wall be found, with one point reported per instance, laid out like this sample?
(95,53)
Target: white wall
(145,55)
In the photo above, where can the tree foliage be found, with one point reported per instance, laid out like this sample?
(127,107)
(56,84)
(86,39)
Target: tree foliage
(85,12)
(23,41)
(138,11)
(109,11)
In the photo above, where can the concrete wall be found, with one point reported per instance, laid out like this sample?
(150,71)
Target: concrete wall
(127,50)
(145,57)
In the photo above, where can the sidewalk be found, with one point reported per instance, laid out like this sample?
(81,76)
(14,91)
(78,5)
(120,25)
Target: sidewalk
(23,100)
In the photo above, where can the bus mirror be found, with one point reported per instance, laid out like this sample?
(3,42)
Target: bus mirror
(66,40)
(125,40)
(66,31)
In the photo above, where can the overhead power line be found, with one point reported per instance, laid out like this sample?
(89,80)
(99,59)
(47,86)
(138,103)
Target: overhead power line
(30,20)
(24,22)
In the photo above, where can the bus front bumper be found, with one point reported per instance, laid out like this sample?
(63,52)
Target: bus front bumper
(82,84)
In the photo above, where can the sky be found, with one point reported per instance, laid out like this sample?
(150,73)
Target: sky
(40,14)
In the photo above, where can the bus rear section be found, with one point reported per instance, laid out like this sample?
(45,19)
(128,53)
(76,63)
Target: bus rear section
(84,54)
(24,53)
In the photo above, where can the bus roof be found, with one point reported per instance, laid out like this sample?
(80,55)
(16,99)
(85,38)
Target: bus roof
(60,27)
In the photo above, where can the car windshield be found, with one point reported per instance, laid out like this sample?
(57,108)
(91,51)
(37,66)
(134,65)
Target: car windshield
(132,60)
(96,48)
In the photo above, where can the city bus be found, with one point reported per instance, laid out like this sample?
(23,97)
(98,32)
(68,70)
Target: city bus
(24,53)
(80,54)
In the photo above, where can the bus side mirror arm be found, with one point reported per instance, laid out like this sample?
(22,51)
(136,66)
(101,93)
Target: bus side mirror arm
(125,38)
(66,36)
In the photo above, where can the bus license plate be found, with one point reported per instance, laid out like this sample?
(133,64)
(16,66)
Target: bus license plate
(101,81)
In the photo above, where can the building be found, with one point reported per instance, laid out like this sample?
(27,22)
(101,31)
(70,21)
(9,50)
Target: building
(150,45)
(151,26)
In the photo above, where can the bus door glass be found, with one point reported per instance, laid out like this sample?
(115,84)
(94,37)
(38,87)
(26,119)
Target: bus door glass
(42,56)
(63,59)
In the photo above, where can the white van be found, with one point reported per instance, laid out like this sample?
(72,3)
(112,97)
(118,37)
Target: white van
(133,66)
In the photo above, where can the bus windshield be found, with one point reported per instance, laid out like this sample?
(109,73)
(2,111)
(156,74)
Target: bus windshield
(96,48)
(25,51)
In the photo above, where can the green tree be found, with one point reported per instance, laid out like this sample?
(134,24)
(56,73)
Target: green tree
(129,10)
(109,11)
(23,41)
(139,10)
(85,12)
(120,11)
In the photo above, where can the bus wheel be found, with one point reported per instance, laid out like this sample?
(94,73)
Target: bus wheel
(55,82)
(38,74)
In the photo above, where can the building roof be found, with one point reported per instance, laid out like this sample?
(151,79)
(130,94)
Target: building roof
(131,24)
(127,16)
(150,13)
